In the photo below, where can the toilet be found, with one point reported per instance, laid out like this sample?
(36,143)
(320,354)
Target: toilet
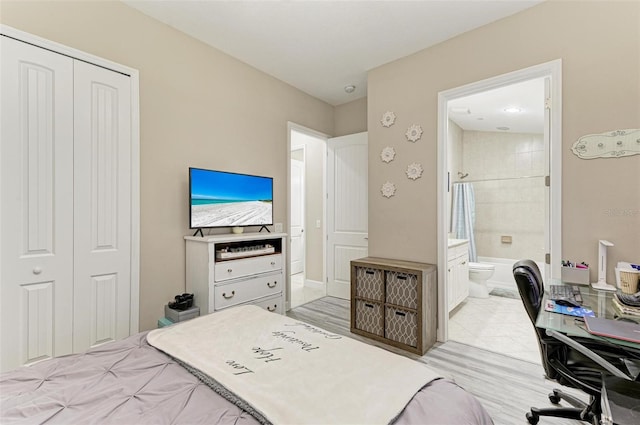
(479,273)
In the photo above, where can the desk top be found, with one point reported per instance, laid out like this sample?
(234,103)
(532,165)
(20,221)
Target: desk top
(601,302)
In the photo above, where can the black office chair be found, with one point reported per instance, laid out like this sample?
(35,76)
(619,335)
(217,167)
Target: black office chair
(574,362)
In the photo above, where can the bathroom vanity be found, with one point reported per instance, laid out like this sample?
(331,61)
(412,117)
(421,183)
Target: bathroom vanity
(457,272)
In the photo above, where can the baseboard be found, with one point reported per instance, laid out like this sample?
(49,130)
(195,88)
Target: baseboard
(313,284)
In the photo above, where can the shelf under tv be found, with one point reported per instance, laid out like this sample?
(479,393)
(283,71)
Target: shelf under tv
(226,255)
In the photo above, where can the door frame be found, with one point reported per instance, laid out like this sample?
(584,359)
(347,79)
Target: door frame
(7,31)
(291,126)
(551,70)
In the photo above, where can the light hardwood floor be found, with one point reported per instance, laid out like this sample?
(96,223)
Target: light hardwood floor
(506,386)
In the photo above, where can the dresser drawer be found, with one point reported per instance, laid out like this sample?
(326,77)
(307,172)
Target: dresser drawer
(226,270)
(273,304)
(234,293)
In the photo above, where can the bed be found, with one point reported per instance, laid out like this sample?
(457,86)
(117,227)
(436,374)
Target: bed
(131,381)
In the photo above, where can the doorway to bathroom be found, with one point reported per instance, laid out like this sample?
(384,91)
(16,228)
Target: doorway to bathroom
(500,150)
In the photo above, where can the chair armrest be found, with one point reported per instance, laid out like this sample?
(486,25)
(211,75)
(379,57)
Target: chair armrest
(590,354)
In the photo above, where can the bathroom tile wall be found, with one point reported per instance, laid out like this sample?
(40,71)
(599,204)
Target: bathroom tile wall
(508,174)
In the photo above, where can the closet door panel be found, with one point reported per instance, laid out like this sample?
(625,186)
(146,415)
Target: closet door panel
(36,198)
(102,205)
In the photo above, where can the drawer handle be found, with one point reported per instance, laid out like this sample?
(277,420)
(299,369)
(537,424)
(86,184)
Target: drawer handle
(368,305)
(272,309)
(272,286)
(273,263)
(402,277)
(229,270)
(464,262)
(399,313)
(224,295)
(370,272)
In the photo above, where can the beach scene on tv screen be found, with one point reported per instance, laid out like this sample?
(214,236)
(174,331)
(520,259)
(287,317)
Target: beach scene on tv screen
(225,199)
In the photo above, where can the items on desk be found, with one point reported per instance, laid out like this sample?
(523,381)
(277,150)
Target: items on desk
(568,295)
(628,277)
(602,284)
(574,272)
(554,307)
(626,331)
(627,304)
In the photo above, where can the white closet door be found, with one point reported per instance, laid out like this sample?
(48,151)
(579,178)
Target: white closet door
(36,199)
(102,205)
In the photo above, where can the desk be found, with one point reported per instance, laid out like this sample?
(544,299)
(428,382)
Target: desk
(601,302)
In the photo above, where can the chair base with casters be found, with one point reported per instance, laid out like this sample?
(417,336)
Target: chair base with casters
(580,411)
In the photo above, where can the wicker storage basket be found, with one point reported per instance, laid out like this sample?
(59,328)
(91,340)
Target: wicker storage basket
(370,283)
(401,326)
(629,281)
(369,317)
(402,289)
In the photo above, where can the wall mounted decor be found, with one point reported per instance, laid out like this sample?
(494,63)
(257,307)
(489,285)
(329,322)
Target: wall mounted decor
(388,118)
(388,189)
(414,133)
(611,144)
(414,171)
(388,154)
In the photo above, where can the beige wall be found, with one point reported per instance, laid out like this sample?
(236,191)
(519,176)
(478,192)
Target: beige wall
(198,107)
(454,159)
(350,118)
(599,44)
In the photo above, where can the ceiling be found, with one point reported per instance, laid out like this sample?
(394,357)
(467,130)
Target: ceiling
(322,46)
(489,110)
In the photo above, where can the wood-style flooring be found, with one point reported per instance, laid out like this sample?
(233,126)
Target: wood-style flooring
(506,386)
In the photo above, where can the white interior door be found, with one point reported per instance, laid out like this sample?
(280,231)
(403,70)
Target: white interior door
(297,211)
(347,209)
(36,215)
(102,205)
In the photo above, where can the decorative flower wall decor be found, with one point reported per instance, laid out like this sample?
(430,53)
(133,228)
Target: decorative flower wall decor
(388,189)
(414,171)
(414,133)
(388,118)
(388,154)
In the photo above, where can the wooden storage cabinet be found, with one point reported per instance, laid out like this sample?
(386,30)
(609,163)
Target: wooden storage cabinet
(248,277)
(395,302)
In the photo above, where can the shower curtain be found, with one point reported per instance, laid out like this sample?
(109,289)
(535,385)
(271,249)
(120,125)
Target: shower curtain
(463,215)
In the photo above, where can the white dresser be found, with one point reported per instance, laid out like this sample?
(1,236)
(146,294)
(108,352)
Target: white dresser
(251,270)
(457,272)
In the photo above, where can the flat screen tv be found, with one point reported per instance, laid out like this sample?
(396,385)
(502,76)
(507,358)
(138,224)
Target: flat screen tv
(222,199)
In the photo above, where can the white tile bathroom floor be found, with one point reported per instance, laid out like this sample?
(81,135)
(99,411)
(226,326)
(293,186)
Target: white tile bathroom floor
(497,324)
(301,294)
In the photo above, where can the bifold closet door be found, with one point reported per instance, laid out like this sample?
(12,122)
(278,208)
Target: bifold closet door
(36,204)
(102,205)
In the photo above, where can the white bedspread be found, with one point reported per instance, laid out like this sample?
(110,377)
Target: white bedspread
(292,372)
